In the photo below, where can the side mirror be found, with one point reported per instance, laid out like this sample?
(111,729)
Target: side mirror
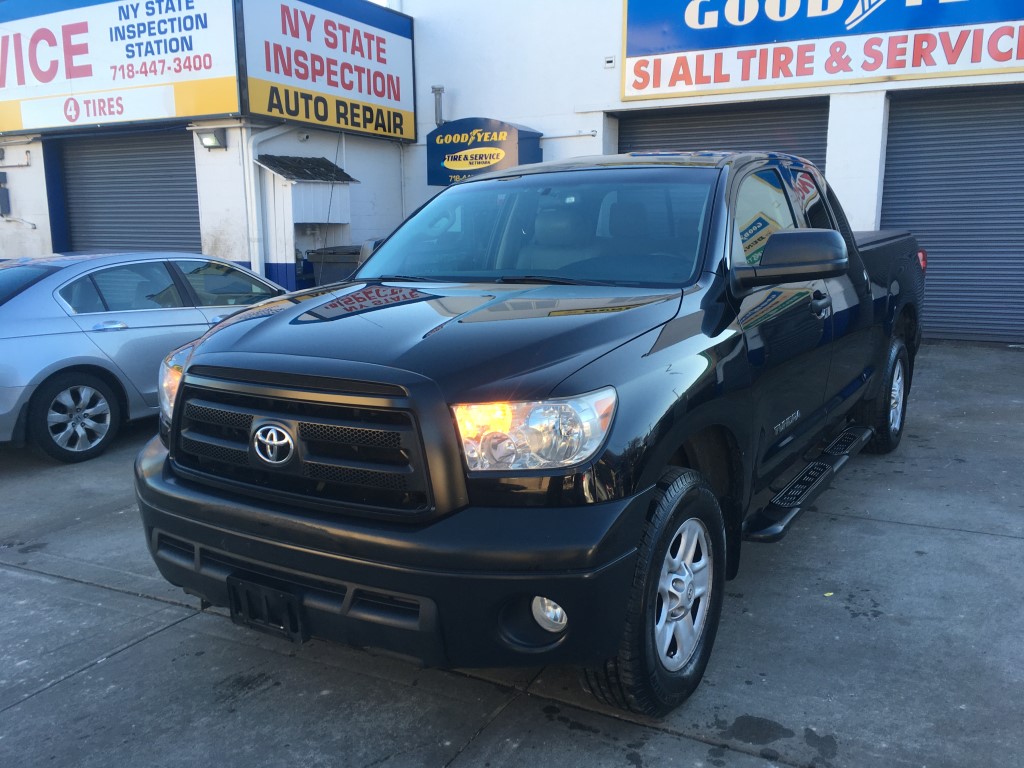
(793,255)
(366,250)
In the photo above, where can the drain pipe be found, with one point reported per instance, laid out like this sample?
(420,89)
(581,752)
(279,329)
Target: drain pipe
(254,191)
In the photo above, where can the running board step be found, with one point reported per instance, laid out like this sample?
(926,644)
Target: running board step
(772,522)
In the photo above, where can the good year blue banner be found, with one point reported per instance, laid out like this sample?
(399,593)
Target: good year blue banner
(683,47)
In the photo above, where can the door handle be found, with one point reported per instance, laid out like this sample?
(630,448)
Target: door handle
(821,303)
(217,318)
(111,325)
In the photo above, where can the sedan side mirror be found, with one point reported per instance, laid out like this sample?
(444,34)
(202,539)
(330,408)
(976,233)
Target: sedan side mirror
(366,250)
(793,255)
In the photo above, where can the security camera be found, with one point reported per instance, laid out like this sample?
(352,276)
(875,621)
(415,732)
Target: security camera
(303,136)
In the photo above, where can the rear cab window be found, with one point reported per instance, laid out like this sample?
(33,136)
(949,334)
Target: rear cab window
(812,201)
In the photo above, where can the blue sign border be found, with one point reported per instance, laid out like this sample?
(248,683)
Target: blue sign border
(659,26)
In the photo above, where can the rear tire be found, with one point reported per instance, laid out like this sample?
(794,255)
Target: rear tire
(675,604)
(886,413)
(73,417)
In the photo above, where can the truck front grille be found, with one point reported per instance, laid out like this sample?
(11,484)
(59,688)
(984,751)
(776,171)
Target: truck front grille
(346,457)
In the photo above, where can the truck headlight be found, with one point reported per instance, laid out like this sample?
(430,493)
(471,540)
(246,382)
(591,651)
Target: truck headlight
(545,434)
(171,371)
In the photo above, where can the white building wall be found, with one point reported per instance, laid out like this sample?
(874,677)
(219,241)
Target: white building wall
(377,199)
(543,64)
(246,212)
(221,179)
(26,231)
(538,64)
(858,126)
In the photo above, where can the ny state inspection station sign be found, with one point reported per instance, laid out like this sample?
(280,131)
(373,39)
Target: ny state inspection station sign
(336,64)
(71,63)
(689,47)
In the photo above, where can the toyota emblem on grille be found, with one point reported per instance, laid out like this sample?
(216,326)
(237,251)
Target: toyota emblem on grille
(273,444)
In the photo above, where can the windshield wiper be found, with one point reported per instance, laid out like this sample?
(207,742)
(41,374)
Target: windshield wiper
(549,279)
(403,278)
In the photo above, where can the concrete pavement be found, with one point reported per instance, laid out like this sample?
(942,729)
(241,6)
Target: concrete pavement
(885,630)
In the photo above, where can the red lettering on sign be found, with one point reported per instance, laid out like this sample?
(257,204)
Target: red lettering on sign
(42,36)
(922,53)
(41,55)
(641,77)
(897,51)
(997,53)
(72,50)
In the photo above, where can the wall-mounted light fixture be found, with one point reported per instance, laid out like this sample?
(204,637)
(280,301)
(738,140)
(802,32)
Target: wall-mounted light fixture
(213,138)
(438,91)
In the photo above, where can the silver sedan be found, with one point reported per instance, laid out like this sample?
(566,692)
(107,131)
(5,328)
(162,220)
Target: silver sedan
(82,338)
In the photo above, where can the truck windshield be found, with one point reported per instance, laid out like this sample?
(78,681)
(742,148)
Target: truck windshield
(634,226)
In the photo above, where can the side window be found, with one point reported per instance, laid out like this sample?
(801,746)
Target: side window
(146,285)
(812,202)
(761,208)
(218,285)
(82,296)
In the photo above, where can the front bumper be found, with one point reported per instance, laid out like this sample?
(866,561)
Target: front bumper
(454,592)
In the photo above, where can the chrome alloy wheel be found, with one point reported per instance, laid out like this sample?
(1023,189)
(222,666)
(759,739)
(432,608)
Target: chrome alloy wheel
(78,418)
(683,595)
(896,394)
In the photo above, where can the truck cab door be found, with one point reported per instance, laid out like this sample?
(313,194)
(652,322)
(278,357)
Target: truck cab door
(853,330)
(786,327)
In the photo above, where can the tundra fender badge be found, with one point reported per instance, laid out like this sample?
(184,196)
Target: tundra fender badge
(787,423)
(273,444)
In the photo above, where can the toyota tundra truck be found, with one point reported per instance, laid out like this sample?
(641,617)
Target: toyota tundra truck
(540,423)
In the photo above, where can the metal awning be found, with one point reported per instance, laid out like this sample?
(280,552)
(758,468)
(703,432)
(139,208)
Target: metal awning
(304,168)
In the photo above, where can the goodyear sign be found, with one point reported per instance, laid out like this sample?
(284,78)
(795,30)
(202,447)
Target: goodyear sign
(464,148)
(66,63)
(688,47)
(341,64)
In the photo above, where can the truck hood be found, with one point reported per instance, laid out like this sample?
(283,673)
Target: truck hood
(476,340)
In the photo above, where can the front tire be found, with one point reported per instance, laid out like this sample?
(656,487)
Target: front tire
(73,417)
(675,604)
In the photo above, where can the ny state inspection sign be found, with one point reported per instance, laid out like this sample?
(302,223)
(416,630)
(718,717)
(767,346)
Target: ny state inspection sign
(340,64)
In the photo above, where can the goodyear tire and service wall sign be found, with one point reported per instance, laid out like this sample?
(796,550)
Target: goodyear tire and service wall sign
(689,47)
(67,63)
(460,149)
(340,64)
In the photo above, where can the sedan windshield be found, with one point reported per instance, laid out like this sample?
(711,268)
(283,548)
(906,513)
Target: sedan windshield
(635,226)
(14,278)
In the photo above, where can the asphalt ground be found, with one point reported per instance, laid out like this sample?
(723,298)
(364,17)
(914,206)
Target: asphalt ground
(886,629)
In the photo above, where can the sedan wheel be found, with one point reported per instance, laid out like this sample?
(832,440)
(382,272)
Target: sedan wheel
(73,417)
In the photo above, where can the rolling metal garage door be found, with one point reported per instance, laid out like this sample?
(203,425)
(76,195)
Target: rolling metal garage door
(132,192)
(953,176)
(798,126)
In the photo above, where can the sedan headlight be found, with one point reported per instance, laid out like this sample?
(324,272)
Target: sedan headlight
(545,434)
(171,371)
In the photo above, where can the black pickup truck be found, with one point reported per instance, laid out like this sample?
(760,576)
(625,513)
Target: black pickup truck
(538,424)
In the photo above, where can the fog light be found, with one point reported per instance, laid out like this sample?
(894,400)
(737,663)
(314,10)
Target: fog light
(549,614)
